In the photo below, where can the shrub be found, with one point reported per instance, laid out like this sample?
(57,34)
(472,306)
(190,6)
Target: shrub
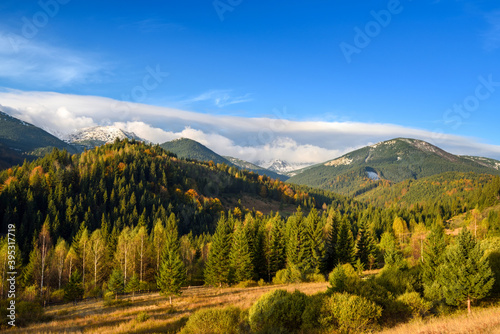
(246,284)
(398,281)
(143,316)
(318,278)
(350,313)
(57,296)
(26,312)
(261,282)
(342,278)
(416,305)
(290,274)
(214,321)
(278,311)
(313,311)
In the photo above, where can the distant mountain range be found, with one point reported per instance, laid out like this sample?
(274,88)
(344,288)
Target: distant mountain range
(394,161)
(353,173)
(190,149)
(20,140)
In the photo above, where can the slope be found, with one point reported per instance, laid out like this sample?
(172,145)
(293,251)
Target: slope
(20,140)
(191,149)
(393,160)
(100,135)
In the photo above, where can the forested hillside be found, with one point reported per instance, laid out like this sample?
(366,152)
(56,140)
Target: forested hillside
(127,217)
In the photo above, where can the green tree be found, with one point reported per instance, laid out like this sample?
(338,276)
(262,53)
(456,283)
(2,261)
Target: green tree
(330,260)
(313,251)
(465,273)
(294,236)
(345,243)
(133,285)
(217,270)
(432,258)
(172,273)
(276,257)
(241,260)
(364,246)
(115,283)
(73,291)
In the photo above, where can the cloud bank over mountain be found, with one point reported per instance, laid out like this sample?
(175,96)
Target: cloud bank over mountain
(251,139)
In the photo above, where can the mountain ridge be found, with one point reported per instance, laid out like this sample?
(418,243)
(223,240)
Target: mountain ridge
(393,160)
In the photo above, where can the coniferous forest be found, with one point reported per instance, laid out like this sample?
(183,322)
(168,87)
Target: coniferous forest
(128,218)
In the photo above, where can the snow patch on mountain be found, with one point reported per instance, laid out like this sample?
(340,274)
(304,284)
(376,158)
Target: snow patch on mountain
(282,166)
(104,134)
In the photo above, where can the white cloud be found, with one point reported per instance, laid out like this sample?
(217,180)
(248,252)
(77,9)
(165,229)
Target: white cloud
(220,98)
(492,36)
(252,139)
(23,59)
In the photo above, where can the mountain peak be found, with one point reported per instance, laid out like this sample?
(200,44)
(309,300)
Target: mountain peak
(98,135)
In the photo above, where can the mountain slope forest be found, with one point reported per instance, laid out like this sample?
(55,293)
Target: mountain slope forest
(128,217)
(190,149)
(391,161)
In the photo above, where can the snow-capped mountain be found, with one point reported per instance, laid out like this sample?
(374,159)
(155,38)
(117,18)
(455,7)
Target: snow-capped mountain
(282,166)
(99,135)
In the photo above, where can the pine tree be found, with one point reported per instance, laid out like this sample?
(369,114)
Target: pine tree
(465,273)
(217,270)
(115,283)
(345,243)
(364,246)
(73,291)
(433,255)
(172,273)
(330,260)
(242,268)
(313,250)
(276,257)
(133,285)
(294,238)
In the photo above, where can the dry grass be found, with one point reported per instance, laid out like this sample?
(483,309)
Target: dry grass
(482,321)
(94,317)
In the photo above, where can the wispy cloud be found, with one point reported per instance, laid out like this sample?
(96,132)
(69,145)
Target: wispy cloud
(220,98)
(492,36)
(23,59)
(252,139)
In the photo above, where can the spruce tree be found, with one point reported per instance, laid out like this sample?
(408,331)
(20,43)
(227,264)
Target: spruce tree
(242,268)
(345,243)
(172,273)
(133,285)
(73,291)
(115,283)
(433,255)
(313,249)
(330,260)
(364,246)
(465,273)
(217,270)
(294,237)
(276,257)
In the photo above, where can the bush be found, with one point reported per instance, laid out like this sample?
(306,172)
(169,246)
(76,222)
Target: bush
(342,278)
(318,278)
(215,320)
(246,284)
(278,311)
(416,305)
(26,312)
(398,281)
(143,316)
(312,312)
(57,296)
(350,313)
(261,282)
(290,274)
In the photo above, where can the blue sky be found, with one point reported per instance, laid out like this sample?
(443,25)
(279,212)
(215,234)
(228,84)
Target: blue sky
(430,67)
